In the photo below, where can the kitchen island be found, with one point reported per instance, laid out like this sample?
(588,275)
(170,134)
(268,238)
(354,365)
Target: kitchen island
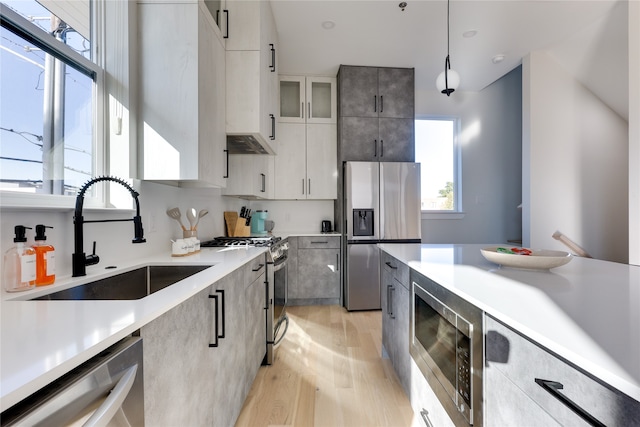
(42,340)
(586,312)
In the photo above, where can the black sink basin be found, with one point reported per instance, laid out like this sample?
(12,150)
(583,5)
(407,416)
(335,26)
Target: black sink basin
(134,284)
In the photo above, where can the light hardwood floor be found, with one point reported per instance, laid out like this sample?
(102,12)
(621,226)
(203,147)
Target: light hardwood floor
(328,372)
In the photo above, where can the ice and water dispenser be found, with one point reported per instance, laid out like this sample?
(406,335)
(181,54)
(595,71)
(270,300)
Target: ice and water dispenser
(363,222)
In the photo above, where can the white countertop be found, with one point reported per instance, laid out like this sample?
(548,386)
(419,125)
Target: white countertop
(587,311)
(42,340)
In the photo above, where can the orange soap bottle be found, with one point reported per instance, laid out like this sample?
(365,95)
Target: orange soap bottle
(45,258)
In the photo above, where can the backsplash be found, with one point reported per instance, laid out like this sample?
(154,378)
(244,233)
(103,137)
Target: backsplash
(114,239)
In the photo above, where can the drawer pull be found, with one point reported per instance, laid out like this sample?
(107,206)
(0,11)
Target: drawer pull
(391,266)
(319,243)
(258,268)
(553,388)
(425,417)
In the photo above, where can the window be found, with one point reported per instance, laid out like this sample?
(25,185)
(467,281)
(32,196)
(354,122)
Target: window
(438,152)
(49,90)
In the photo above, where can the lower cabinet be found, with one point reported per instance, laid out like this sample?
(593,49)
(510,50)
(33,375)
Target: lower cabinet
(527,385)
(428,410)
(317,279)
(396,310)
(201,357)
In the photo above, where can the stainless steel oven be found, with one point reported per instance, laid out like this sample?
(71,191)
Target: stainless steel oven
(447,345)
(278,288)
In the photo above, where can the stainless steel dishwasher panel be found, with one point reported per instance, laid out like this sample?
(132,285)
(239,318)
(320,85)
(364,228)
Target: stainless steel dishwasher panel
(107,390)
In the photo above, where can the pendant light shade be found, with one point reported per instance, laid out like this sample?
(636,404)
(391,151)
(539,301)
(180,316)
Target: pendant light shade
(448,80)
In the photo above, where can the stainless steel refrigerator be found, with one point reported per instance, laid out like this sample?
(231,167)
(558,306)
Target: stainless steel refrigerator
(381,205)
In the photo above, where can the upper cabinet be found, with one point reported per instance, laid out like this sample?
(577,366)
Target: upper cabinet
(307,99)
(182,94)
(377,92)
(376,110)
(251,76)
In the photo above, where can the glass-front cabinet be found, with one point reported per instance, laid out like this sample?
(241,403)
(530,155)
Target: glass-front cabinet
(307,99)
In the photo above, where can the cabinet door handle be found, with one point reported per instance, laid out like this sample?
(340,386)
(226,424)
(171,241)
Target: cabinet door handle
(309,110)
(375,104)
(309,187)
(553,388)
(302,110)
(273,127)
(302,185)
(337,262)
(391,266)
(227,174)
(222,300)
(390,302)
(226,12)
(273,58)
(425,417)
(264,189)
(258,268)
(215,321)
(381,104)
(375,148)
(381,148)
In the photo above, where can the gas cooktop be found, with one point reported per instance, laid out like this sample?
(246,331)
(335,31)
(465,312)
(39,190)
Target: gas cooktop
(219,242)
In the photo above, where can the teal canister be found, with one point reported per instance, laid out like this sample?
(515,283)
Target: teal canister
(257,222)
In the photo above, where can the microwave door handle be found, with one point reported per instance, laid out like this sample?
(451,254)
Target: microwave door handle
(113,403)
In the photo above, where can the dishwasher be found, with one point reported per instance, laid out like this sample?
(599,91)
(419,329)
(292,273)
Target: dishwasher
(107,390)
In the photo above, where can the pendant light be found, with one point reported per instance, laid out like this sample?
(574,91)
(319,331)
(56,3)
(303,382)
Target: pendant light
(448,80)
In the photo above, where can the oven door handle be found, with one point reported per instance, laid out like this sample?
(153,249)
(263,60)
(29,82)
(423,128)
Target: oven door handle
(113,403)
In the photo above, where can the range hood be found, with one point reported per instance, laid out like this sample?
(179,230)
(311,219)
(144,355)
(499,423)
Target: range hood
(247,144)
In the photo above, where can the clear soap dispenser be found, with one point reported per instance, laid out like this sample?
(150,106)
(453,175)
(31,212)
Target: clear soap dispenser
(45,258)
(19,264)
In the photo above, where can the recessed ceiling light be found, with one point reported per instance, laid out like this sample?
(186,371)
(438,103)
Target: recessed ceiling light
(328,25)
(498,59)
(469,34)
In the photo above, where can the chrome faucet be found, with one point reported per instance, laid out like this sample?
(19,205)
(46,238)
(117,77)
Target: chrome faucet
(79,260)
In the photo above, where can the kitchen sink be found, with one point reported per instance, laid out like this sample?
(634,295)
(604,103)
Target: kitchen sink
(134,284)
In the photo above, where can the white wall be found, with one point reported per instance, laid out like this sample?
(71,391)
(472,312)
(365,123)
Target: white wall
(575,167)
(491,135)
(634,132)
(114,239)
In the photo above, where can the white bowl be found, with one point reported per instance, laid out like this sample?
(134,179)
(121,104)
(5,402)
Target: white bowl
(540,259)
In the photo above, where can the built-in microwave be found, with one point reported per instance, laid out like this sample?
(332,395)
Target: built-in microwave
(446,344)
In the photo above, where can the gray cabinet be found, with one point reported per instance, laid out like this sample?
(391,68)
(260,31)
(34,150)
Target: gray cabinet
(202,356)
(255,322)
(396,310)
(178,378)
(317,277)
(514,397)
(227,371)
(376,111)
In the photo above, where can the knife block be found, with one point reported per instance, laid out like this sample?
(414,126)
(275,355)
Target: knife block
(236,227)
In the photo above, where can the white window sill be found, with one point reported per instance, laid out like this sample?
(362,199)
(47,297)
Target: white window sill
(442,215)
(15,201)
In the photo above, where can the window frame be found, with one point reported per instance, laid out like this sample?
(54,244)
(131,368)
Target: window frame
(20,26)
(458,212)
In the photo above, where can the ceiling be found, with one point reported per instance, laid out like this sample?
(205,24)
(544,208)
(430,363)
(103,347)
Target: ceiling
(587,37)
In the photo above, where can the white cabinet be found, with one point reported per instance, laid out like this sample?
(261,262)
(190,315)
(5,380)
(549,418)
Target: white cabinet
(306,164)
(252,80)
(182,94)
(307,99)
(248,176)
